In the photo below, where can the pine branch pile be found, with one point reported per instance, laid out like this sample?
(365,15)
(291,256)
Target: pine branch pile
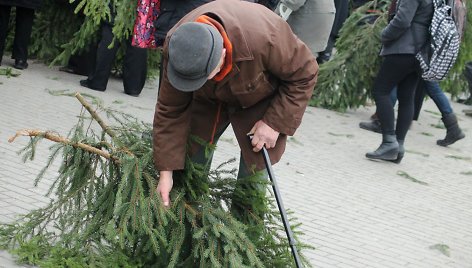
(346,80)
(105,211)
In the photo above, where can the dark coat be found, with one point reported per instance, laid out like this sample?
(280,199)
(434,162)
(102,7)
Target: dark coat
(34,4)
(171,11)
(408,31)
(272,79)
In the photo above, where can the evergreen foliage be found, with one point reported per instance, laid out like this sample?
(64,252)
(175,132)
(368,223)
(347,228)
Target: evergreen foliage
(105,211)
(346,80)
(65,28)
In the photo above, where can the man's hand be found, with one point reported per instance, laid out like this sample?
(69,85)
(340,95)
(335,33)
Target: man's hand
(164,186)
(263,135)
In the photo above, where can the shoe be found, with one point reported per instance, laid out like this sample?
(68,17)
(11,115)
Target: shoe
(388,149)
(132,94)
(67,69)
(20,64)
(401,152)
(323,57)
(373,126)
(86,83)
(453,131)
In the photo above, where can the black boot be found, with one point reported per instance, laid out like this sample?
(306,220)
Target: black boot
(373,125)
(454,133)
(468,76)
(401,152)
(388,150)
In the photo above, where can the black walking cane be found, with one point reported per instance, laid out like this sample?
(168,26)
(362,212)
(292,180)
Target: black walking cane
(278,199)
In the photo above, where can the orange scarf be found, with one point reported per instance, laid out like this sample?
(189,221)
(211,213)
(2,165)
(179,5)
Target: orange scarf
(228,64)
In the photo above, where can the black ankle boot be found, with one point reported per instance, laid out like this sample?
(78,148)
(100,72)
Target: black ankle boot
(373,125)
(401,152)
(454,133)
(388,150)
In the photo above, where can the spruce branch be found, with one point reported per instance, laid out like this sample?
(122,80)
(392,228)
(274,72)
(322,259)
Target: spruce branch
(56,138)
(95,116)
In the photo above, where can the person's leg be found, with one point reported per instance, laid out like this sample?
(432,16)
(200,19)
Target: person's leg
(24,26)
(4,23)
(342,12)
(98,80)
(453,131)
(437,95)
(82,63)
(394,69)
(134,70)
(385,81)
(204,157)
(374,123)
(406,93)
(420,93)
(249,200)
(468,76)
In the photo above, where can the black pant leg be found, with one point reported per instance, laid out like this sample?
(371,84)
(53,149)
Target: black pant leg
(134,69)
(342,12)
(4,23)
(406,104)
(104,60)
(401,71)
(24,26)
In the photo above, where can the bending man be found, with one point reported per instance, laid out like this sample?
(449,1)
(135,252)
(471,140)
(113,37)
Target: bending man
(230,62)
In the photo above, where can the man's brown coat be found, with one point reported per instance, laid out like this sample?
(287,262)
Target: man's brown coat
(272,79)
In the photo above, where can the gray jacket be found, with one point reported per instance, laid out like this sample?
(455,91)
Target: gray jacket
(408,31)
(311,21)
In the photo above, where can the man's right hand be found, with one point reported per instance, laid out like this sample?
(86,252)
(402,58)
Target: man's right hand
(164,186)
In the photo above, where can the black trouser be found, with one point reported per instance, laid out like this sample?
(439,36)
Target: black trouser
(83,62)
(342,12)
(24,25)
(134,64)
(401,70)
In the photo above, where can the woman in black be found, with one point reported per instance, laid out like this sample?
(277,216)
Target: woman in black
(405,35)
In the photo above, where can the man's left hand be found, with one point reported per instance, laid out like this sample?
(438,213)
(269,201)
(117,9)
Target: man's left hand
(263,135)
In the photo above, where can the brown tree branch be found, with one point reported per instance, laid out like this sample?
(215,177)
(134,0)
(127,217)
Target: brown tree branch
(56,138)
(95,116)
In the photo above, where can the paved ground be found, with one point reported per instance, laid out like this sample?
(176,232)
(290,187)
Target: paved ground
(356,212)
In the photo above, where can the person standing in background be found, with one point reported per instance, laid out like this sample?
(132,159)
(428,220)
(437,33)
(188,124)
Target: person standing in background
(134,62)
(311,21)
(24,24)
(342,12)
